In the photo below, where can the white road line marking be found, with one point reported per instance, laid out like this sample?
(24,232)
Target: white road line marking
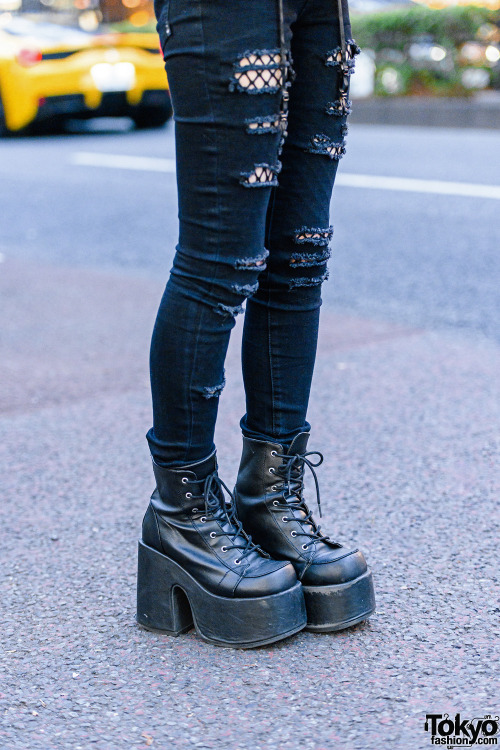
(366,181)
(122,161)
(410,184)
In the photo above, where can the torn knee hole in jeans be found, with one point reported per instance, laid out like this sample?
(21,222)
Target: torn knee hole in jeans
(346,62)
(341,107)
(228,311)
(265,124)
(245,289)
(323,144)
(304,260)
(258,72)
(313,235)
(262,175)
(305,281)
(255,263)
(213,391)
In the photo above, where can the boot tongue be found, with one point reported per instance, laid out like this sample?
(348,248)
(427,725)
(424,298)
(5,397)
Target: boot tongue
(204,467)
(220,508)
(299,443)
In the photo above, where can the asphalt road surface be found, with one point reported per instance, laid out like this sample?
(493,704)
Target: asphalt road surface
(405,408)
(424,258)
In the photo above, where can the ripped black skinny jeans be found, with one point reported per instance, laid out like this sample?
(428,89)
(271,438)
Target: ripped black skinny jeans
(260,96)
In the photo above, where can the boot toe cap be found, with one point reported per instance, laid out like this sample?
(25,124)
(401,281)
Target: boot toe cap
(347,567)
(271,579)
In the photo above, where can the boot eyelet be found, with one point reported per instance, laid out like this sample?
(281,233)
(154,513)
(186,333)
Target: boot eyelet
(195,510)
(293,533)
(284,519)
(203,519)
(212,535)
(189,494)
(272,470)
(275,502)
(304,546)
(184,480)
(273,453)
(223,549)
(237,562)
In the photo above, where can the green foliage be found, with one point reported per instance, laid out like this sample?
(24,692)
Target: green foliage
(390,33)
(396,28)
(420,82)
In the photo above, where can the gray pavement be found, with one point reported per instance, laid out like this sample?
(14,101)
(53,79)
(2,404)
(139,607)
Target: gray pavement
(405,408)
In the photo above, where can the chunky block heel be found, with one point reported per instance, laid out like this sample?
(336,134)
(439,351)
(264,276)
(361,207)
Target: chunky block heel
(170,600)
(160,605)
(339,606)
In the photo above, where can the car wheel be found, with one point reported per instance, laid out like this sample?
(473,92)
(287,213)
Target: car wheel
(152,117)
(3,127)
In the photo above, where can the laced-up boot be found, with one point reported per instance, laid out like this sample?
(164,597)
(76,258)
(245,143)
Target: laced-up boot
(337,584)
(198,566)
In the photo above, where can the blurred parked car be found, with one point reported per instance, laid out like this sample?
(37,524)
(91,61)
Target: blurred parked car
(52,71)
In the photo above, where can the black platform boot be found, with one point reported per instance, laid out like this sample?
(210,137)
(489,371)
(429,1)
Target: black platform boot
(197,565)
(337,584)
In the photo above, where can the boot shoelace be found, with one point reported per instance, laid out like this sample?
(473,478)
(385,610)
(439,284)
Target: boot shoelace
(220,509)
(292,472)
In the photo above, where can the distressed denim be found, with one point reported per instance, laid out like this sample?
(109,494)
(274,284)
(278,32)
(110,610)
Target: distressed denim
(260,97)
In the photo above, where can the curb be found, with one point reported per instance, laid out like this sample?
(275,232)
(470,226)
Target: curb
(482,111)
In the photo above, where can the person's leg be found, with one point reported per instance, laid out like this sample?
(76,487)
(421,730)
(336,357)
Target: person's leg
(225,73)
(217,54)
(281,321)
(280,335)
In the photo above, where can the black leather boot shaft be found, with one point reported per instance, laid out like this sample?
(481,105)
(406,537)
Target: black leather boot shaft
(190,522)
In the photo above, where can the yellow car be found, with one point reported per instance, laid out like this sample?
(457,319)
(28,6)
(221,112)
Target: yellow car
(51,71)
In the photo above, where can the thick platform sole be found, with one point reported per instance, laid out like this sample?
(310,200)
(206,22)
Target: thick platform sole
(337,607)
(171,601)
